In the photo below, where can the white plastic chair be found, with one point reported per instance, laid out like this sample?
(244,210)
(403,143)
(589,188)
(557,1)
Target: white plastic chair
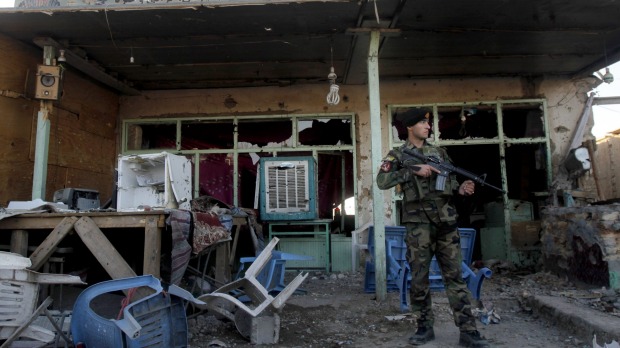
(258,320)
(19,289)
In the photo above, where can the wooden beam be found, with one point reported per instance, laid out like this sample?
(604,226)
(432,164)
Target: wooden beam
(87,67)
(51,220)
(102,249)
(42,253)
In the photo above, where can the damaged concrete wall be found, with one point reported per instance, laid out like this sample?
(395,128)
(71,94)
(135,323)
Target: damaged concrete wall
(566,100)
(83,134)
(583,243)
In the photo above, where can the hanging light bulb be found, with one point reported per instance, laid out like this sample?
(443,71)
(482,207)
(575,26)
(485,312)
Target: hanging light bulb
(608,77)
(332,97)
(61,57)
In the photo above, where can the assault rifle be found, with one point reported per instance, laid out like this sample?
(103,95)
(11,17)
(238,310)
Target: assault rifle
(447,168)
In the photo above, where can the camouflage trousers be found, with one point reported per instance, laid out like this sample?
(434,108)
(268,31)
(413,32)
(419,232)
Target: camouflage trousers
(443,240)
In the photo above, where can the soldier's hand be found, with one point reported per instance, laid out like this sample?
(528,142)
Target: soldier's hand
(467,188)
(425,170)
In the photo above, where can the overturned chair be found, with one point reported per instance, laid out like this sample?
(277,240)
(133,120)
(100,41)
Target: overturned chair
(155,320)
(18,304)
(258,319)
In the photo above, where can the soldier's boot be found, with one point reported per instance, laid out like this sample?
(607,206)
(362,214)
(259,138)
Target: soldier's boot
(472,339)
(422,335)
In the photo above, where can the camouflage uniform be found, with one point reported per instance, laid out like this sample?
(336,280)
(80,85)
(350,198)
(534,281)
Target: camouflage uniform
(430,220)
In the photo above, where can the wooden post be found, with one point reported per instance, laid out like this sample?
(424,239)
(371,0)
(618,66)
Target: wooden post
(152,247)
(19,242)
(222,266)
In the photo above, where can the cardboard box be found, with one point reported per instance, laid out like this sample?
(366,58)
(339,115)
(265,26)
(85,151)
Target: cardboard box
(525,233)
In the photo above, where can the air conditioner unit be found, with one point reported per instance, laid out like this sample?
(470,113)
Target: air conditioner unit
(288,188)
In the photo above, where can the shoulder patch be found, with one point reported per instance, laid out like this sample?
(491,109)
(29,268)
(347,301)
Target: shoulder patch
(386,166)
(389,158)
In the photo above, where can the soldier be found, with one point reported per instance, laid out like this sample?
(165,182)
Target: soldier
(430,219)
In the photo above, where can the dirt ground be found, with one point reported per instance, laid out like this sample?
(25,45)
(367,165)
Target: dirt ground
(336,312)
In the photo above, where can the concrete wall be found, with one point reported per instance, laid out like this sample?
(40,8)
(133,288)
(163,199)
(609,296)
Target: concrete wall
(583,243)
(83,134)
(566,100)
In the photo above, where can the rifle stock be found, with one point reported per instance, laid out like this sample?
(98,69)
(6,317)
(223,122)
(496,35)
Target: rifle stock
(447,168)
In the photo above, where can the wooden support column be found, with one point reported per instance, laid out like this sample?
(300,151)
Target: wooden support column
(19,242)
(40,256)
(237,223)
(152,246)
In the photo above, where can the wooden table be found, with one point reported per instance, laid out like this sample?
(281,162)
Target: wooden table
(88,226)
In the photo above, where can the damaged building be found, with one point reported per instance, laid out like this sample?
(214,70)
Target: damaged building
(239,87)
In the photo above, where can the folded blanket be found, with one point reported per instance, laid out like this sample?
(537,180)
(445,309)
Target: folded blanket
(207,231)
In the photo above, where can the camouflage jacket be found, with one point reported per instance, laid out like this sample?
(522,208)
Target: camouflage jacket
(421,202)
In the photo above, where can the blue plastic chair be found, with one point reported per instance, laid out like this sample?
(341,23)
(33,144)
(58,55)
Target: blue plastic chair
(272,275)
(399,274)
(473,280)
(158,320)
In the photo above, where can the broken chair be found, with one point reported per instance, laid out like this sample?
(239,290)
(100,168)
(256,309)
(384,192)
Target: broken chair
(157,320)
(18,304)
(258,320)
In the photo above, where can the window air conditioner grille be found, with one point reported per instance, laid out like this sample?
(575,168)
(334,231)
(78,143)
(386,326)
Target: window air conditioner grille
(287,186)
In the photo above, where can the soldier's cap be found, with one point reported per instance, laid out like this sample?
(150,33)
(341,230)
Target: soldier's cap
(415,115)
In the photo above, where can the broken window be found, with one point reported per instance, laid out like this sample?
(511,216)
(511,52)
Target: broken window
(324,131)
(265,132)
(151,136)
(518,155)
(228,150)
(202,135)
(478,121)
